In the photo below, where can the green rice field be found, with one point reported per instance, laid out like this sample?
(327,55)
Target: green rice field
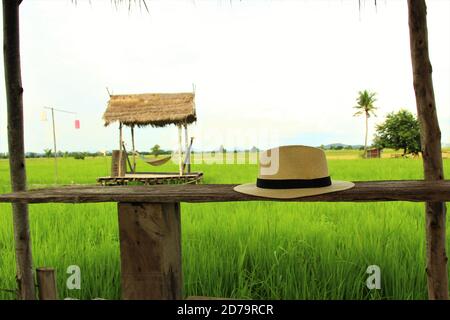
(249,250)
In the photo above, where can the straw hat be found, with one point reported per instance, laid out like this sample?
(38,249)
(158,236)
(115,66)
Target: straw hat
(292,172)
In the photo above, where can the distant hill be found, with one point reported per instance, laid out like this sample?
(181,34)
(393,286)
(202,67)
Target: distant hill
(341,146)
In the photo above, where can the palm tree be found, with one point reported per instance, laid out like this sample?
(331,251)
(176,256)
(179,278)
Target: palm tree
(365,106)
(48,152)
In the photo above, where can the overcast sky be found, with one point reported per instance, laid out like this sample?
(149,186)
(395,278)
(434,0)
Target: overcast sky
(266,72)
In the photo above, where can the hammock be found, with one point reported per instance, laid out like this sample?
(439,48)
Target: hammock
(161,161)
(154,161)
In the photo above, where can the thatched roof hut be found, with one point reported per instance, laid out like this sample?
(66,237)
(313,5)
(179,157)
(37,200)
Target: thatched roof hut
(155,109)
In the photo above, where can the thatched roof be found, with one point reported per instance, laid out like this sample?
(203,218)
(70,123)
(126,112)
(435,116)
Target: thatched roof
(155,109)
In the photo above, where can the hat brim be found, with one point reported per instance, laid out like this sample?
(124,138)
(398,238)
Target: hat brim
(252,189)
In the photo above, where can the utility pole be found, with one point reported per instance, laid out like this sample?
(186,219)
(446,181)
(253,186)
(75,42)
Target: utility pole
(54,137)
(54,146)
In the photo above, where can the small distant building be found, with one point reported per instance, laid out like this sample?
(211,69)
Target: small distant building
(373,153)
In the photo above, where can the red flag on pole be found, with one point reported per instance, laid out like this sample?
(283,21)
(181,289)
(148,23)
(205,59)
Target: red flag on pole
(77,124)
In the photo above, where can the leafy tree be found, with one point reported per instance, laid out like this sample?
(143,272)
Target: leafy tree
(79,155)
(156,150)
(399,131)
(365,107)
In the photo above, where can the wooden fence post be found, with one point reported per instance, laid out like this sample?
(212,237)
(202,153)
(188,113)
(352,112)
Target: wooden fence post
(430,133)
(14,102)
(46,281)
(150,250)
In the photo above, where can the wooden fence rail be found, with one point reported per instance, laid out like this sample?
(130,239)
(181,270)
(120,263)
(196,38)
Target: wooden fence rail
(150,225)
(400,190)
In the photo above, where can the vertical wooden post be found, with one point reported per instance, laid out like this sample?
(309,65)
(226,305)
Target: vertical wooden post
(150,250)
(134,149)
(120,149)
(14,102)
(180,151)
(46,281)
(430,133)
(118,164)
(186,146)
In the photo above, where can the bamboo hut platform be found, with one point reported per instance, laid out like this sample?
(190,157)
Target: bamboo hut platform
(156,110)
(152,178)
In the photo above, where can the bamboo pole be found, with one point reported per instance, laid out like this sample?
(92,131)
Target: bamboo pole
(54,146)
(180,152)
(120,149)
(54,138)
(134,149)
(367,132)
(187,150)
(430,133)
(14,101)
(46,281)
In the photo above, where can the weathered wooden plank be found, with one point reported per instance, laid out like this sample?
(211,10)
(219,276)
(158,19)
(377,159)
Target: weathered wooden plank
(363,191)
(151,178)
(150,250)
(46,281)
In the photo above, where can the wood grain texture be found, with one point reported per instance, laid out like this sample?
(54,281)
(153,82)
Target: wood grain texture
(363,191)
(430,134)
(152,178)
(17,169)
(46,281)
(150,251)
